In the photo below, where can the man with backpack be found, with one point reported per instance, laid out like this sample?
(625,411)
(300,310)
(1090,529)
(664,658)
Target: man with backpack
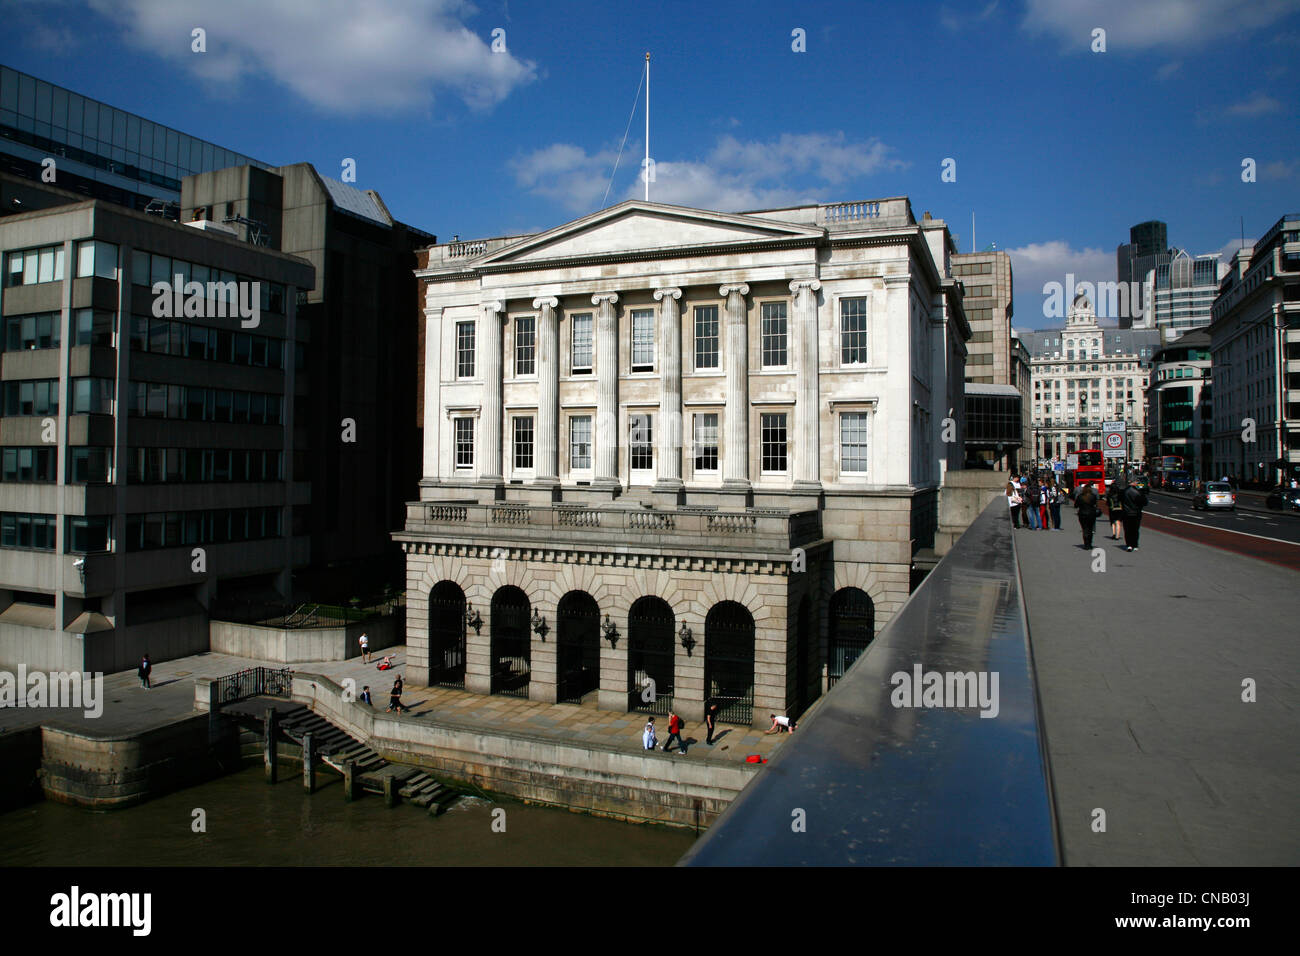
(674,732)
(1033,499)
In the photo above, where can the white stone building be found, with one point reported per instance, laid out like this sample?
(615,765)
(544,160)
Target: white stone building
(1255,350)
(1084,375)
(673,454)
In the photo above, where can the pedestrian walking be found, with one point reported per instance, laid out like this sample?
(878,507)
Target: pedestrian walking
(364,641)
(395,697)
(1086,508)
(674,733)
(648,740)
(1054,505)
(1014,502)
(1132,500)
(1116,512)
(365,696)
(1031,502)
(144,670)
(711,718)
(780,723)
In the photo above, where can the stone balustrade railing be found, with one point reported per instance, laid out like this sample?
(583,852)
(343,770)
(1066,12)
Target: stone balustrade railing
(763,528)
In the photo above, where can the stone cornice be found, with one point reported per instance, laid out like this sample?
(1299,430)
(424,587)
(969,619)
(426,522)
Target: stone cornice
(416,544)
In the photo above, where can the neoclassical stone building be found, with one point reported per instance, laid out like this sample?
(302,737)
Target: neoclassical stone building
(673,454)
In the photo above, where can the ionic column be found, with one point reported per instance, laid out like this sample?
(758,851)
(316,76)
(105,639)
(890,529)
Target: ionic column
(670,402)
(606,390)
(735,464)
(548,390)
(489,470)
(807,460)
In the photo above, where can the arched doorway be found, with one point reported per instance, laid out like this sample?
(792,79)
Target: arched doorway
(577,646)
(853,625)
(729,661)
(511,642)
(447,635)
(650,655)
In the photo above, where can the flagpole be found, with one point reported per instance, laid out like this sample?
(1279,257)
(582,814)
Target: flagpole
(646,174)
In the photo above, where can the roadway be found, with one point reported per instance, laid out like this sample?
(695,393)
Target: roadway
(1269,524)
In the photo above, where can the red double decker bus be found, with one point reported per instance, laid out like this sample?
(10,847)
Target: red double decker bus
(1091,469)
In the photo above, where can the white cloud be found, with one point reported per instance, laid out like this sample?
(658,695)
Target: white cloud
(1258,105)
(1168,70)
(955,22)
(343,56)
(1150,23)
(1035,265)
(1280,169)
(735,175)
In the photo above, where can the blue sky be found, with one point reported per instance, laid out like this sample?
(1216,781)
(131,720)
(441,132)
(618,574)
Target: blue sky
(1058,149)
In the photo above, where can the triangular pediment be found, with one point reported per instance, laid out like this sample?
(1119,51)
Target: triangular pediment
(636,226)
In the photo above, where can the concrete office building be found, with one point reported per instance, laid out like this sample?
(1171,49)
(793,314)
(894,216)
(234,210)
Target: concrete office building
(673,454)
(994,411)
(1180,403)
(130,439)
(1084,375)
(1255,355)
(98,150)
(1184,288)
(986,282)
(357,356)
(1022,379)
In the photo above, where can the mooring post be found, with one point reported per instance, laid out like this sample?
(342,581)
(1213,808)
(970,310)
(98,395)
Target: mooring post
(349,771)
(270,729)
(390,792)
(308,764)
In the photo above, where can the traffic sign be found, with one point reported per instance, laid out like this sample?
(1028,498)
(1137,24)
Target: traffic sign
(1114,440)
(1059,467)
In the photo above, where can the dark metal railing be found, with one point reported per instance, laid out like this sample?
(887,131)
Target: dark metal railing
(911,781)
(254,682)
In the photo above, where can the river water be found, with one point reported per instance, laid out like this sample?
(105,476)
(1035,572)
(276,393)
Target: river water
(252,824)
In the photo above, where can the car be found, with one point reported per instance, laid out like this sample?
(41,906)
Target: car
(1178,481)
(1283,498)
(1216,494)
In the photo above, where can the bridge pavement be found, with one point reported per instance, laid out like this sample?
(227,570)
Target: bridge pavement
(1140,671)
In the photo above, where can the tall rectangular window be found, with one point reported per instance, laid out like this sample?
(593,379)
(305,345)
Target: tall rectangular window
(580,442)
(853,331)
(581,350)
(464,443)
(524,442)
(464,349)
(706,442)
(774,338)
(774,441)
(853,442)
(641,443)
(526,345)
(643,340)
(706,336)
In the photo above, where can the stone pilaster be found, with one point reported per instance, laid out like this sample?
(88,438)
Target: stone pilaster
(606,390)
(548,391)
(432,379)
(489,350)
(670,402)
(807,470)
(735,464)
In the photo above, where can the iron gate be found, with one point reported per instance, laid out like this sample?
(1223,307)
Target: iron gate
(650,656)
(853,618)
(511,643)
(729,661)
(447,636)
(577,642)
